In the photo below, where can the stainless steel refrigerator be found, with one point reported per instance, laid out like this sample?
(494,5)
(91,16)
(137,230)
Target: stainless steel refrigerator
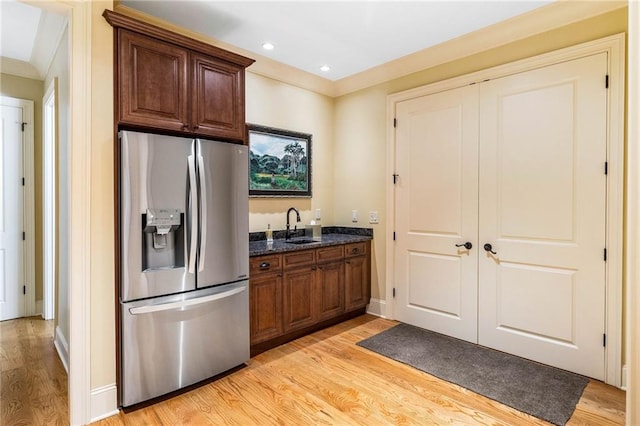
(184,262)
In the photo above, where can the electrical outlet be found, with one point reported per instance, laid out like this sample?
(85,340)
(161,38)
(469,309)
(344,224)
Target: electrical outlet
(354,216)
(373,217)
(317,214)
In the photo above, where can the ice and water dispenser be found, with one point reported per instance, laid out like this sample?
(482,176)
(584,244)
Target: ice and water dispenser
(163,240)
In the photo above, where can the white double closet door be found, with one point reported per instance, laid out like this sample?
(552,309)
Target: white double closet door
(518,163)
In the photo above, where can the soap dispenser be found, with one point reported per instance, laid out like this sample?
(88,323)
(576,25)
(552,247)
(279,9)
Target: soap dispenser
(269,234)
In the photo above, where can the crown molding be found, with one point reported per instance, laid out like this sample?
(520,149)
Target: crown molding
(18,68)
(546,18)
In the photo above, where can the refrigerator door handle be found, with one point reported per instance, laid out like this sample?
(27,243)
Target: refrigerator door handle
(184,303)
(203,207)
(193,212)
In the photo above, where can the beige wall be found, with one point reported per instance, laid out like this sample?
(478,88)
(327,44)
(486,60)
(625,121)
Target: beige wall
(360,171)
(33,90)
(276,104)
(360,125)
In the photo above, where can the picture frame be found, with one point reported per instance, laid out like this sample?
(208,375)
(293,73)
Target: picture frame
(279,162)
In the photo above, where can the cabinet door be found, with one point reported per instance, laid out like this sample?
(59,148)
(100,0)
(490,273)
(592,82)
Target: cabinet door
(217,107)
(265,302)
(330,296)
(153,82)
(299,310)
(356,282)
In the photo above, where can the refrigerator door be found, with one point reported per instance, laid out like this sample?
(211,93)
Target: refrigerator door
(174,341)
(223,176)
(158,197)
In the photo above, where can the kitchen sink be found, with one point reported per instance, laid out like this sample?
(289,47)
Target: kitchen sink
(301,241)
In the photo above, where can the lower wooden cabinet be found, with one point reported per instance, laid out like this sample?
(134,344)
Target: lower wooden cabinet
(358,281)
(292,294)
(266,307)
(299,288)
(330,290)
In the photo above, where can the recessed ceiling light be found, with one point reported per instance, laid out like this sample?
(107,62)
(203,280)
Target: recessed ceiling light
(325,68)
(268,46)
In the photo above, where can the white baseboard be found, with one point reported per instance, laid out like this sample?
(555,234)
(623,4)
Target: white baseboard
(39,308)
(623,386)
(377,307)
(104,402)
(63,348)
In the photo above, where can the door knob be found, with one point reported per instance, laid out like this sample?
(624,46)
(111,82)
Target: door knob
(466,245)
(489,248)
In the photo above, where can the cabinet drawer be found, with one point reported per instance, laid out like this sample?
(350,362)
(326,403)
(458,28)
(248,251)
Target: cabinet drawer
(355,249)
(299,258)
(265,264)
(329,254)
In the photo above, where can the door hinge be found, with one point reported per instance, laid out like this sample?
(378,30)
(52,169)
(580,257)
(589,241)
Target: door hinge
(22,181)
(394,235)
(394,292)
(24,237)
(395,178)
(606,81)
(395,123)
(606,167)
(604,340)
(605,254)
(23,124)
(24,289)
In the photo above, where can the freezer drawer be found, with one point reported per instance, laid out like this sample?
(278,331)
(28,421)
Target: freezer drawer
(174,341)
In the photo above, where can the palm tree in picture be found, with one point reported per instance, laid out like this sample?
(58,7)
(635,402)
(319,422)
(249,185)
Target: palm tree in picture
(296,151)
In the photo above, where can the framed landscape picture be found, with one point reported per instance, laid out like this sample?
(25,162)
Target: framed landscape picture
(279,162)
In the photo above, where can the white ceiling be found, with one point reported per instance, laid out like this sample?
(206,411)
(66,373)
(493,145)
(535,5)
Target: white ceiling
(29,34)
(19,28)
(349,36)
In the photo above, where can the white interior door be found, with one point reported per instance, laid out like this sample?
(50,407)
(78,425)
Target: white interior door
(436,210)
(542,208)
(12,299)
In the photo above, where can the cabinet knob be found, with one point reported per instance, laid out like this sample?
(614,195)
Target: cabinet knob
(354,250)
(196,127)
(265,265)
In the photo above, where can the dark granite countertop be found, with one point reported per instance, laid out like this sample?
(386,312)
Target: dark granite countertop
(331,236)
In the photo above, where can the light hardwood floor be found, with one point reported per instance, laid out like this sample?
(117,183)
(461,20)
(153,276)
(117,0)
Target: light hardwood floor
(323,378)
(33,384)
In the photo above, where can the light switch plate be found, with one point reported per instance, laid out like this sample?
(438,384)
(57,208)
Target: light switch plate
(373,217)
(317,214)
(354,216)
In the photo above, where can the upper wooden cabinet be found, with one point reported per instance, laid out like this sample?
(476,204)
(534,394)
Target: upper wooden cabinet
(153,79)
(217,105)
(169,82)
